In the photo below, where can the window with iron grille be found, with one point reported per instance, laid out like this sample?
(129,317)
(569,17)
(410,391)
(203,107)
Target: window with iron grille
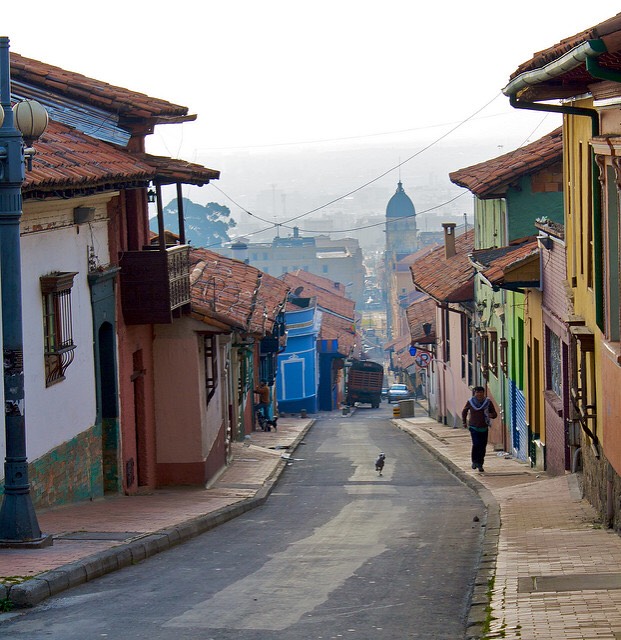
(58,345)
(210,354)
(554,364)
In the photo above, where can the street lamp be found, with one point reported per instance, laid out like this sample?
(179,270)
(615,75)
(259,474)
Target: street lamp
(18,521)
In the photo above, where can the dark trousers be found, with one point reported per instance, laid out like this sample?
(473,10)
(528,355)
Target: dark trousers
(479,444)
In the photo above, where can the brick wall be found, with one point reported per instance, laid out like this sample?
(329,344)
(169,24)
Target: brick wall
(548,181)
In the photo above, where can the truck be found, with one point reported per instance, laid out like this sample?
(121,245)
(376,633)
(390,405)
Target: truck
(364,383)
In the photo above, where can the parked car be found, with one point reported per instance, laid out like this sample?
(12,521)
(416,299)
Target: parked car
(398,392)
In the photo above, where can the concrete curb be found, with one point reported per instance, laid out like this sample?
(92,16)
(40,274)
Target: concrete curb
(480,598)
(33,591)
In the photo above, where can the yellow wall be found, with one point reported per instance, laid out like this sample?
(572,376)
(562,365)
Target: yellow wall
(578,235)
(534,336)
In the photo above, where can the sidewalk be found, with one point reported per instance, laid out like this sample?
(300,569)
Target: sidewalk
(553,572)
(95,538)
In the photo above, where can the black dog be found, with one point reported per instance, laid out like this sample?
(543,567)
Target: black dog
(379,463)
(265,423)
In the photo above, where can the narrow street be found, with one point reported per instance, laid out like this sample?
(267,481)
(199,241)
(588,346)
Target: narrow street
(337,551)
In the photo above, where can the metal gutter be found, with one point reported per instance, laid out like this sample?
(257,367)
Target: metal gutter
(568,61)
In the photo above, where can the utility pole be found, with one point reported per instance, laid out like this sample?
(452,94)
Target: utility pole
(18,521)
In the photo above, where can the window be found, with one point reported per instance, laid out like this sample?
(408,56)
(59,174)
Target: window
(447,335)
(58,346)
(503,349)
(484,355)
(210,354)
(554,363)
(493,351)
(324,268)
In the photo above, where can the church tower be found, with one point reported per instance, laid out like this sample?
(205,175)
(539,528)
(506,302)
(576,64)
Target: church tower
(401,232)
(401,241)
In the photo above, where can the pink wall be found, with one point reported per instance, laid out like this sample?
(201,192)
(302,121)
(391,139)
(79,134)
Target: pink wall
(190,431)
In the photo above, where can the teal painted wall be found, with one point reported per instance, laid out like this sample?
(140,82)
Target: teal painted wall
(70,472)
(525,204)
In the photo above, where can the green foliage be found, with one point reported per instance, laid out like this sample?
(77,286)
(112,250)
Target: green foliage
(205,225)
(6,605)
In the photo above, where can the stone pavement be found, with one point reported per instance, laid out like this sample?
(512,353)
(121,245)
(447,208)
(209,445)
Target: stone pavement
(549,570)
(94,538)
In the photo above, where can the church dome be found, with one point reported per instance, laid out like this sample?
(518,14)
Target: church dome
(400,205)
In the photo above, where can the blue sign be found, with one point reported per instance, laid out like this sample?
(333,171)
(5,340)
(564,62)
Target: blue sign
(412,351)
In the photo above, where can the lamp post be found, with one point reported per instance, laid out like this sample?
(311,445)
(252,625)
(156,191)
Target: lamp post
(18,521)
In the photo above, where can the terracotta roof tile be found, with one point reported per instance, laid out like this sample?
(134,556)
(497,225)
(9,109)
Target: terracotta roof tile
(90,91)
(338,311)
(320,282)
(171,171)
(419,313)
(335,328)
(234,293)
(497,262)
(332,300)
(447,279)
(490,179)
(68,160)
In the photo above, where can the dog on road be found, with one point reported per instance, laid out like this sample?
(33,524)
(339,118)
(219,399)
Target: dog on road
(379,463)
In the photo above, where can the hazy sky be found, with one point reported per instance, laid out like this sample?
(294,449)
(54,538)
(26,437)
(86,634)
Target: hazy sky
(261,75)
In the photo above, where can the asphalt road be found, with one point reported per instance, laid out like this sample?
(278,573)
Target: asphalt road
(336,552)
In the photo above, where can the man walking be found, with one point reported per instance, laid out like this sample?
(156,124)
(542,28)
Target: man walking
(477,416)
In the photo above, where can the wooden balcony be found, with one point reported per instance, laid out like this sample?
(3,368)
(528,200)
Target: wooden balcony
(155,284)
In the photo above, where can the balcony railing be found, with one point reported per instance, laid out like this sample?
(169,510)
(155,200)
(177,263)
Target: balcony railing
(155,284)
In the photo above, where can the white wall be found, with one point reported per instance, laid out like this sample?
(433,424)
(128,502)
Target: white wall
(51,242)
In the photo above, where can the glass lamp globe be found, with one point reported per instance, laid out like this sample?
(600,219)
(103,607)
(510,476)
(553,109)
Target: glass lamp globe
(31,119)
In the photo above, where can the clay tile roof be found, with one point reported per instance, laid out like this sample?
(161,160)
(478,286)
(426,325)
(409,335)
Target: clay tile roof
(419,313)
(89,91)
(330,300)
(575,80)
(337,322)
(234,293)
(497,263)
(320,281)
(67,159)
(171,171)
(447,279)
(490,179)
(335,328)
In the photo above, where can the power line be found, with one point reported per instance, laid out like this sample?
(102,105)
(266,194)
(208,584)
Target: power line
(363,186)
(341,139)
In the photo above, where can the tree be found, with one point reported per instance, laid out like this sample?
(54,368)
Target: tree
(205,225)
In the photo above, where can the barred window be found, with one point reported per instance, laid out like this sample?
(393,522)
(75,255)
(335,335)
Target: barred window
(210,349)
(58,345)
(554,363)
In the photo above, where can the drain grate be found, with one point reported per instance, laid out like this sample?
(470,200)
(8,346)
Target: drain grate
(573,582)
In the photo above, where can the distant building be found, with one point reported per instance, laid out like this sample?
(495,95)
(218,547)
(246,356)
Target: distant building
(401,241)
(337,260)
